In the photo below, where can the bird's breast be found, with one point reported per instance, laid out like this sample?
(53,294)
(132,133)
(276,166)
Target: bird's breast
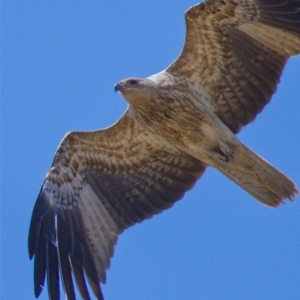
(194,129)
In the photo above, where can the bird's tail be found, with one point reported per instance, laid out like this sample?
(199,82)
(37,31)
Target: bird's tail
(256,176)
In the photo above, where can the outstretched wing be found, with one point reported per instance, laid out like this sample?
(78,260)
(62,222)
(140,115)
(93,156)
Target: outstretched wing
(99,184)
(235,51)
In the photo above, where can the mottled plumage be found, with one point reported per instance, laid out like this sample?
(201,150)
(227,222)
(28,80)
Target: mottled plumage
(178,122)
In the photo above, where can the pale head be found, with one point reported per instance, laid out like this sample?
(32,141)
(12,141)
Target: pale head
(136,90)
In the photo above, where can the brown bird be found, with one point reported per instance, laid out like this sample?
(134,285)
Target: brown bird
(178,122)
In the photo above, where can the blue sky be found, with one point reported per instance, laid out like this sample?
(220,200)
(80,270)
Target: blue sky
(60,61)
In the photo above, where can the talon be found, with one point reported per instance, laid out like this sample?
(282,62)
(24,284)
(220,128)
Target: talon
(223,157)
(216,155)
(226,150)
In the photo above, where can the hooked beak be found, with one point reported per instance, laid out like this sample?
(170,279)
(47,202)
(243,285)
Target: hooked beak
(119,87)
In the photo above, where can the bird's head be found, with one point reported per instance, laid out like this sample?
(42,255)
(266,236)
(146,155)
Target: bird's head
(136,90)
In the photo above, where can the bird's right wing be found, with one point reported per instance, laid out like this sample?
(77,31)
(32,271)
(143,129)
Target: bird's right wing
(99,184)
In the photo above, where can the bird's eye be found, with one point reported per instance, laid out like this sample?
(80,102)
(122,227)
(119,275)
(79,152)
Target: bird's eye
(133,81)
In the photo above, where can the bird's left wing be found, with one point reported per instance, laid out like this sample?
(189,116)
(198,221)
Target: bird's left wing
(100,183)
(234,53)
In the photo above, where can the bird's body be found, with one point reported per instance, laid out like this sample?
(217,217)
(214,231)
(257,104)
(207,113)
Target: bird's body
(178,122)
(198,131)
(193,129)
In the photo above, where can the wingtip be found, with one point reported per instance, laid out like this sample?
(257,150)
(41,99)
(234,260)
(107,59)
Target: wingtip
(292,197)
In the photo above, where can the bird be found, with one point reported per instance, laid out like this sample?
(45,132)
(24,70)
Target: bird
(178,122)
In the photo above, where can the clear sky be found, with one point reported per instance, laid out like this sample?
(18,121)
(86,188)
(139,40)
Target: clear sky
(60,61)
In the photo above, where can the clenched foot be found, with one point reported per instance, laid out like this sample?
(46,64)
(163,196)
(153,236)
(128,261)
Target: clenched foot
(226,151)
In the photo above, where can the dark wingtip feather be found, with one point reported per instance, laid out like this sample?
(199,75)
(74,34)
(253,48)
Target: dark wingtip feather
(40,263)
(65,267)
(91,272)
(65,228)
(41,230)
(80,279)
(60,251)
(40,210)
(52,272)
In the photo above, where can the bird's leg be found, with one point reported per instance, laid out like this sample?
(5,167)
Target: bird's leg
(226,150)
(224,153)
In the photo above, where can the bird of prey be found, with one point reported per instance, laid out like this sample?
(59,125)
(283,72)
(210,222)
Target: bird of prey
(178,122)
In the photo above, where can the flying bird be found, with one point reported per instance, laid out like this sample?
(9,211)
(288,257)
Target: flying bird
(178,122)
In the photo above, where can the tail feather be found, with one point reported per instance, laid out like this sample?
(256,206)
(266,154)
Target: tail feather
(256,176)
